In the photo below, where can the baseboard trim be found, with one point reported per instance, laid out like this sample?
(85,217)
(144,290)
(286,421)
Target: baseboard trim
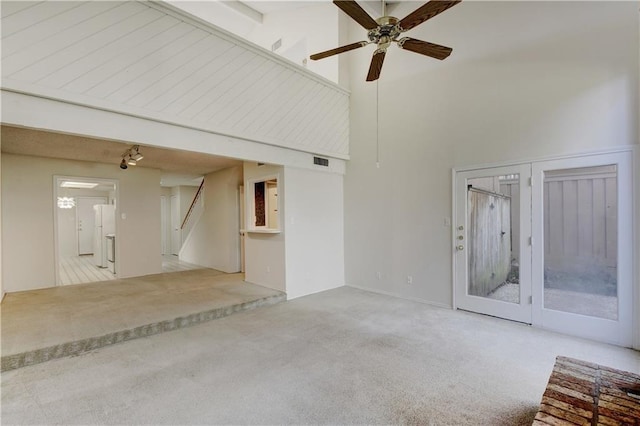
(399,296)
(290,297)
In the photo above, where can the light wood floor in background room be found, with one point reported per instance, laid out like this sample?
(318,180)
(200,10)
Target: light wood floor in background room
(81,269)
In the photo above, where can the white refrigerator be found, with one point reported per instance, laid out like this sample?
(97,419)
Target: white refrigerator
(105,224)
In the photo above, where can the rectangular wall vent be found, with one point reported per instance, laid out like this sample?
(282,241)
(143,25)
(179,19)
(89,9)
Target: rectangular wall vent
(275,46)
(321,161)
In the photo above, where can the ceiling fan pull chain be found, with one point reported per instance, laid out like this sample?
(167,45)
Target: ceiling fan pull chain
(377,125)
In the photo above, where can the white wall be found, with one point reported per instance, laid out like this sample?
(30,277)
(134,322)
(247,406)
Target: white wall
(525,80)
(307,256)
(265,253)
(28,225)
(165,228)
(215,239)
(1,279)
(314,239)
(184,196)
(219,14)
(311,28)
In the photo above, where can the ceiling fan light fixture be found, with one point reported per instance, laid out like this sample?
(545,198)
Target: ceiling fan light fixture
(131,161)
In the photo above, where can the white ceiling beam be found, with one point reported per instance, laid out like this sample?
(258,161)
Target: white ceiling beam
(244,10)
(374,8)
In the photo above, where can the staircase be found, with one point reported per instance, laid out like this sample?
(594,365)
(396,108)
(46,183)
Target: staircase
(193,214)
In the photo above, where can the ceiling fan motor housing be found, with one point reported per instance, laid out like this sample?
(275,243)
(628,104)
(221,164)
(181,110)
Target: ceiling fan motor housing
(387,30)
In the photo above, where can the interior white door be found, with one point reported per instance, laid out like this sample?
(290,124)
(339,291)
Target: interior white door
(582,246)
(85,220)
(176,237)
(243,224)
(164,224)
(491,242)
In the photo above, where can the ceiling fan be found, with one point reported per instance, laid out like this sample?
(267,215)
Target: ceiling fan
(387,29)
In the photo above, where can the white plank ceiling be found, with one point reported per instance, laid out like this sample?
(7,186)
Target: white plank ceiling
(142,59)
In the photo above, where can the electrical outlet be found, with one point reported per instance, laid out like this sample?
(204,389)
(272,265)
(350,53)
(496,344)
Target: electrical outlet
(409,279)
(268,268)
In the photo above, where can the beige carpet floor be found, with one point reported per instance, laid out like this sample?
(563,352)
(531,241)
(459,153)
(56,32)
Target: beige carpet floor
(343,356)
(45,324)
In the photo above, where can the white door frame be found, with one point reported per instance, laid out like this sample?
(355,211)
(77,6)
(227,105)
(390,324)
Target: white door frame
(164,226)
(636,215)
(513,311)
(242,224)
(56,182)
(634,230)
(582,325)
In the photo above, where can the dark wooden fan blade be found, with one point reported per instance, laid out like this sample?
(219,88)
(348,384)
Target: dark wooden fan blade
(424,12)
(337,50)
(424,48)
(376,65)
(357,13)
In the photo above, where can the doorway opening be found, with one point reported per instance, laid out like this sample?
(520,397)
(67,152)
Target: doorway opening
(85,229)
(181,207)
(547,243)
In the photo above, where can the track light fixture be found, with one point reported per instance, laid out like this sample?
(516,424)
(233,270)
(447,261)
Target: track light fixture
(131,157)
(137,156)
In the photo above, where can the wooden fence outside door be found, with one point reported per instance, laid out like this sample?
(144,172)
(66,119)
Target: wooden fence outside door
(489,240)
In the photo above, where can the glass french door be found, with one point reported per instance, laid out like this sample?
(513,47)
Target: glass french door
(549,243)
(492,252)
(582,247)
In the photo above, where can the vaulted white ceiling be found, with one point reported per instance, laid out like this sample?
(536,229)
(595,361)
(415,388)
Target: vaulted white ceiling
(144,59)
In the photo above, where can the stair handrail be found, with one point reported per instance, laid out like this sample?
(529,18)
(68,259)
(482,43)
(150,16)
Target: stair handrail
(193,204)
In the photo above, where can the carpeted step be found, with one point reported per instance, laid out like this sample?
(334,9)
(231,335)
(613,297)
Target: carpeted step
(77,347)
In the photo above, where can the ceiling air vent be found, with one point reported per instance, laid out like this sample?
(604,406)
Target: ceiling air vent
(321,161)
